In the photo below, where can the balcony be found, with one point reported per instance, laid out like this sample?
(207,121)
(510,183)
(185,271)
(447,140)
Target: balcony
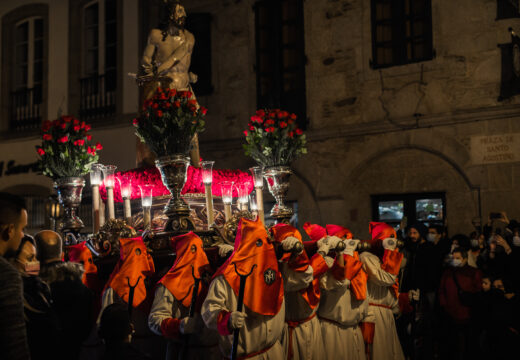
(97,97)
(25,109)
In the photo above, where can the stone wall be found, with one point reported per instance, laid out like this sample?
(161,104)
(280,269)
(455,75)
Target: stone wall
(395,130)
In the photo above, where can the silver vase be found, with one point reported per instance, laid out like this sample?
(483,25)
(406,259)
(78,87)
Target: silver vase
(278,181)
(174,171)
(69,191)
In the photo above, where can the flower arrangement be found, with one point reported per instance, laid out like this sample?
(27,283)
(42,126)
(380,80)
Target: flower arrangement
(169,120)
(67,149)
(273,138)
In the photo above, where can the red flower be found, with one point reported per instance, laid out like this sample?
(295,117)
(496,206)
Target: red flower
(280,115)
(89,137)
(252,128)
(192,102)
(76,122)
(155,105)
(47,137)
(88,127)
(299,131)
(203,110)
(283,124)
(167,105)
(260,113)
(80,142)
(159,90)
(159,113)
(63,139)
(63,126)
(82,124)
(272,114)
(40,151)
(291,134)
(177,104)
(271,129)
(135,122)
(185,94)
(256,118)
(67,119)
(290,121)
(76,128)
(245,132)
(99,146)
(46,126)
(173,92)
(91,151)
(293,116)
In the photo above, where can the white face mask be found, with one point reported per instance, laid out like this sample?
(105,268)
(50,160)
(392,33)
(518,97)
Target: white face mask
(456,262)
(431,237)
(516,240)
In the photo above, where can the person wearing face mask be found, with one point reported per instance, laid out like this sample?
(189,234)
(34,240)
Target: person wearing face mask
(41,322)
(458,285)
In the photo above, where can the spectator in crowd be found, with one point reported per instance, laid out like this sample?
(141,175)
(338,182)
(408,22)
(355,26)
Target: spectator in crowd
(504,325)
(419,276)
(42,326)
(481,316)
(458,285)
(116,330)
(13,335)
(69,294)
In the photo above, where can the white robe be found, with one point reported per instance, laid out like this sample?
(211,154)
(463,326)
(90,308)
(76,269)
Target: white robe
(307,340)
(342,336)
(258,333)
(386,344)
(202,345)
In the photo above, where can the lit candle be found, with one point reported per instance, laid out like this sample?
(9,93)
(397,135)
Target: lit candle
(207,179)
(125,184)
(252,204)
(108,173)
(95,180)
(227,197)
(243,196)
(258,175)
(146,201)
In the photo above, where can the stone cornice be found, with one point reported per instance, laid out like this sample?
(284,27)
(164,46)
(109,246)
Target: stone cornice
(382,127)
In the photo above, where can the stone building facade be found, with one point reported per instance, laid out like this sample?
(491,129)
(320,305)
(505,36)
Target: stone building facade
(414,128)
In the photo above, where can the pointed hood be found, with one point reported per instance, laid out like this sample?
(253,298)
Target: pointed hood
(379,231)
(339,231)
(264,287)
(190,260)
(134,265)
(81,254)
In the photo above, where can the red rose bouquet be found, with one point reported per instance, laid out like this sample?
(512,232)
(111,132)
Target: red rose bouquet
(273,138)
(169,120)
(67,149)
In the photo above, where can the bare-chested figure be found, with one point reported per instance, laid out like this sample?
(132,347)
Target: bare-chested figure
(168,52)
(167,56)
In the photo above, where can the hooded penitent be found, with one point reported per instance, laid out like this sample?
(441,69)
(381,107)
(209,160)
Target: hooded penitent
(391,260)
(264,287)
(80,253)
(353,267)
(299,263)
(135,264)
(315,231)
(191,261)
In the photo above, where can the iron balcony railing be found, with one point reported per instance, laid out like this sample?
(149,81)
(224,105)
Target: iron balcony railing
(25,109)
(98,96)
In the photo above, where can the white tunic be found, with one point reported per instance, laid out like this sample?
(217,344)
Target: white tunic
(379,287)
(342,336)
(202,345)
(307,340)
(258,333)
